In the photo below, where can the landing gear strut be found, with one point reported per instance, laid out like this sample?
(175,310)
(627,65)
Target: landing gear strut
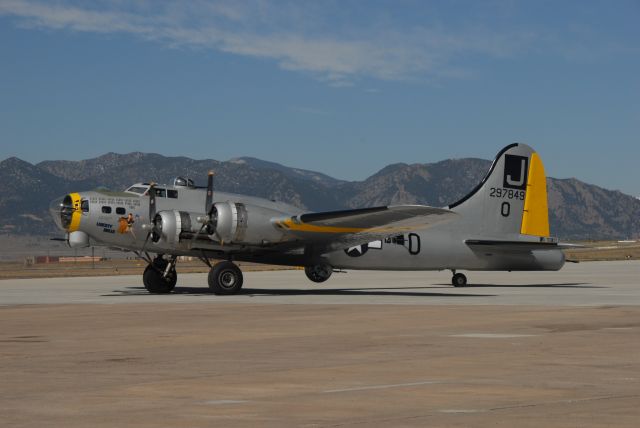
(318,273)
(225,278)
(458,279)
(160,275)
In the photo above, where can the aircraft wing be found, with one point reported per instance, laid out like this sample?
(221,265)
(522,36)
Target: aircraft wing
(340,229)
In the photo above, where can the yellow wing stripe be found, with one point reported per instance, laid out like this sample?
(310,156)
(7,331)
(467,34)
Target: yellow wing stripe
(305,227)
(535,218)
(76,216)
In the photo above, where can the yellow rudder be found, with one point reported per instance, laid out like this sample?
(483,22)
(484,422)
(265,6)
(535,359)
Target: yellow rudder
(535,218)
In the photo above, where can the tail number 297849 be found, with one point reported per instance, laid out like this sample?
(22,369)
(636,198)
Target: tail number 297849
(497,192)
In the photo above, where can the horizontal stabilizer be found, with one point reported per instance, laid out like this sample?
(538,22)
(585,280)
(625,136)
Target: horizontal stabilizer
(543,244)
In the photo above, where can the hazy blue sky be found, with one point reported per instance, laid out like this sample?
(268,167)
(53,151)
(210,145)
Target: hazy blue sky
(343,87)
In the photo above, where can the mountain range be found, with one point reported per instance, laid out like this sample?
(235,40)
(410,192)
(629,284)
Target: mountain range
(577,210)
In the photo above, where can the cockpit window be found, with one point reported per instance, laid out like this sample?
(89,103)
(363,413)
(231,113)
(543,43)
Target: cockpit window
(183,182)
(172,194)
(137,189)
(84,205)
(161,193)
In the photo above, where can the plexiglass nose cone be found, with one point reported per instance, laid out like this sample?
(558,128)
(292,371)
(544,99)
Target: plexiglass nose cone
(61,210)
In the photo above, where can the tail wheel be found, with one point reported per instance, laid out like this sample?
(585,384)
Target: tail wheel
(225,278)
(318,273)
(459,280)
(155,282)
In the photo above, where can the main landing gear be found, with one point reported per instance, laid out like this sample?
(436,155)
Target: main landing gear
(318,273)
(225,278)
(458,279)
(160,275)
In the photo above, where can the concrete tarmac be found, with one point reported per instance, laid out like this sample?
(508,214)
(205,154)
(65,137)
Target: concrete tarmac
(583,284)
(365,349)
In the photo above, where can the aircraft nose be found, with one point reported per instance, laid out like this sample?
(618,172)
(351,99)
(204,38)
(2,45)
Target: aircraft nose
(66,211)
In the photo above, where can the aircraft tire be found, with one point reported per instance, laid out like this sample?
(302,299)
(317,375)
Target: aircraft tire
(155,283)
(318,273)
(459,280)
(225,278)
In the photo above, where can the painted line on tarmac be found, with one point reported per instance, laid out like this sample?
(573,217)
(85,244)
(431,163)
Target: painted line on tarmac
(221,402)
(491,335)
(393,385)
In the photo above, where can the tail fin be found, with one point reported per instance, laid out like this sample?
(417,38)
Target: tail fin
(511,200)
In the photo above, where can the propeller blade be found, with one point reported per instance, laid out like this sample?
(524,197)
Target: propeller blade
(144,246)
(152,202)
(208,205)
(209,201)
(197,235)
(152,215)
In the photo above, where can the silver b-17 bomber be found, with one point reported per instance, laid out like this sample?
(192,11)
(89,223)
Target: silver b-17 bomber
(501,225)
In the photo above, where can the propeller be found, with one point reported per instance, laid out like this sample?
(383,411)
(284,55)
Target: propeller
(209,201)
(153,233)
(209,221)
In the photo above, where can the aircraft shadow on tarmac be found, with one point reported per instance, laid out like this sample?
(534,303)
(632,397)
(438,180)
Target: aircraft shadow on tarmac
(380,291)
(561,285)
(383,291)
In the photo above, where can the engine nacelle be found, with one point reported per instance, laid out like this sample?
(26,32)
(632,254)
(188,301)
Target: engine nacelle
(170,224)
(229,222)
(245,224)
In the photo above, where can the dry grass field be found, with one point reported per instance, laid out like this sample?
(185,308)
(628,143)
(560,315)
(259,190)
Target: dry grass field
(111,267)
(605,251)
